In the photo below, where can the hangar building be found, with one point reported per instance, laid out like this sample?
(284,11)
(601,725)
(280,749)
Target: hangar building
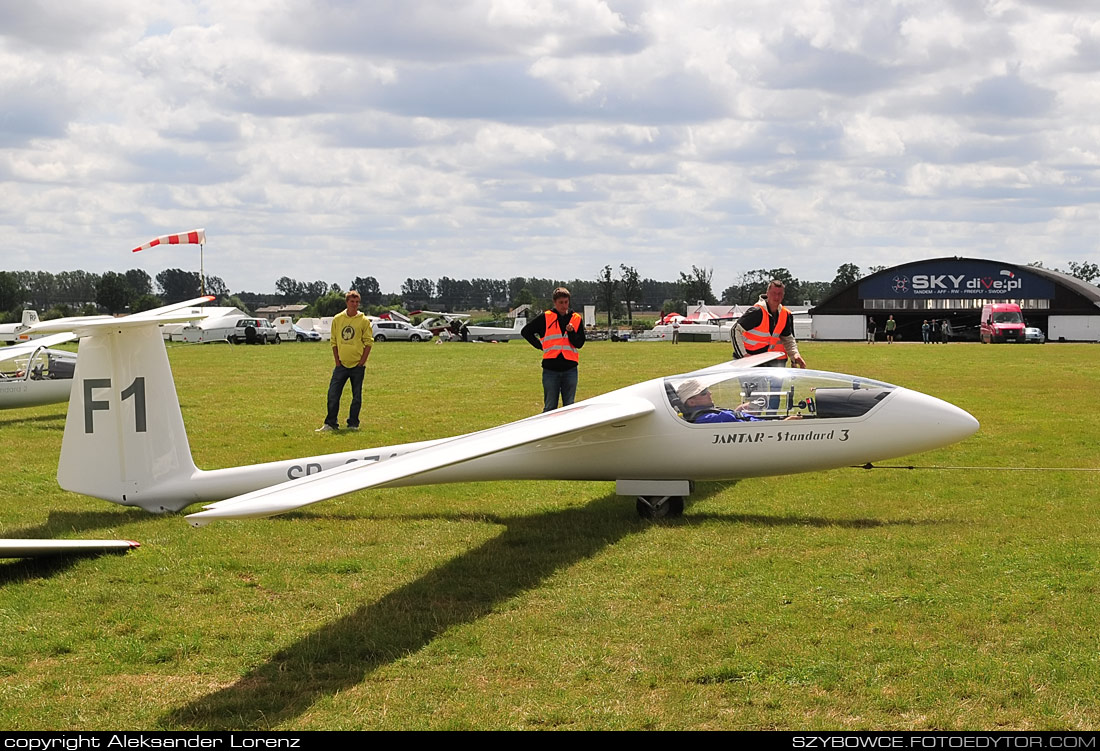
(1064,307)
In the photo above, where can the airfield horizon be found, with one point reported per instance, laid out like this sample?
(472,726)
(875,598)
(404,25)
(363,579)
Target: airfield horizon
(849,599)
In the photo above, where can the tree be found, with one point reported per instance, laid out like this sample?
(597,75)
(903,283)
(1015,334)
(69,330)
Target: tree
(76,287)
(145,302)
(113,293)
(234,301)
(1086,271)
(217,287)
(177,285)
(368,289)
(631,287)
(329,304)
(12,293)
(607,286)
(816,291)
(291,289)
(452,293)
(847,274)
(674,306)
(418,293)
(313,290)
(139,282)
(42,289)
(696,285)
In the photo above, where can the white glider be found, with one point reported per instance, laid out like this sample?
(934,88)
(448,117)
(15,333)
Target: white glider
(125,439)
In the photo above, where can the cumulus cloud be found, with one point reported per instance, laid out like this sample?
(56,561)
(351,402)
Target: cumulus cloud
(398,139)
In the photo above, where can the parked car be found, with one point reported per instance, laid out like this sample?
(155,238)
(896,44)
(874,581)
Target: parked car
(241,331)
(1032,334)
(298,334)
(399,331)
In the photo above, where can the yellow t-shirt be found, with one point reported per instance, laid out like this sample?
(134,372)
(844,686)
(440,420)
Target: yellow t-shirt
(351,336)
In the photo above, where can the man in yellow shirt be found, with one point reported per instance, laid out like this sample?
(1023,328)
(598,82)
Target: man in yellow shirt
(352,338)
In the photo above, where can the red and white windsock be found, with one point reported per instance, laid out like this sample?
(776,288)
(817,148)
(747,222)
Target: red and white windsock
(194,237)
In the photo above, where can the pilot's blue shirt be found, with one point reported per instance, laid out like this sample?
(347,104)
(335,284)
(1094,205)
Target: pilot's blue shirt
(721,415)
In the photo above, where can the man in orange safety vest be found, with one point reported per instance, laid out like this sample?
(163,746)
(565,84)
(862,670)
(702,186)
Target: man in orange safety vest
(559,334)
(768,326)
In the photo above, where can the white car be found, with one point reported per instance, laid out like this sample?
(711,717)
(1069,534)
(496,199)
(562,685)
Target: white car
(234,329)
(1032,334)
(399,330)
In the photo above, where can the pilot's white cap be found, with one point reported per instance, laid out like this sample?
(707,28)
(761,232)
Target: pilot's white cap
(689,388)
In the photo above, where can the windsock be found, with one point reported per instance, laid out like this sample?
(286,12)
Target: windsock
(194,237)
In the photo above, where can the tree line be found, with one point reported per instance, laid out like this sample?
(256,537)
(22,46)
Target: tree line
(620,292)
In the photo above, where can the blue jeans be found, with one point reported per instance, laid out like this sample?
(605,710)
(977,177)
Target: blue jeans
(556,382)
(340,376)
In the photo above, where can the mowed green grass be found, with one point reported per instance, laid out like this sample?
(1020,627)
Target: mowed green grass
(961,598)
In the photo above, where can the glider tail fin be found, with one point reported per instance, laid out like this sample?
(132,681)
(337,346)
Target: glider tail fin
(124,436)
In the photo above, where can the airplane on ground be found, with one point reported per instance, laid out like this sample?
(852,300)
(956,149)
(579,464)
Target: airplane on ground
(441,321)
(32,374)
(493,333)
(125,439)
(9,332)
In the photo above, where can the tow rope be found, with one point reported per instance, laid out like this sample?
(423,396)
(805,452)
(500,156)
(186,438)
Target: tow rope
(869,465)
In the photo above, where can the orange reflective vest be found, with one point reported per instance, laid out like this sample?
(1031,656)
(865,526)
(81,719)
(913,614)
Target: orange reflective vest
(555,342)
(763,339)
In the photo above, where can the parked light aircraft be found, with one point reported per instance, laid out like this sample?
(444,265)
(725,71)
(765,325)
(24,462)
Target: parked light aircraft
(9,332)
(494,333)
(125,439)
(441,321)
(31,374)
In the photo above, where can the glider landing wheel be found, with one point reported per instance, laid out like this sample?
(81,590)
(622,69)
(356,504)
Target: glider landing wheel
(660,506)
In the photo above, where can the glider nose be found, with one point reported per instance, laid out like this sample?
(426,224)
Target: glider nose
(932,422)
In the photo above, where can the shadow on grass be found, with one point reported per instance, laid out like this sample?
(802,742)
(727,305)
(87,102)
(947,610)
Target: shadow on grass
(342,653)
(26,569)
(59,418)
(59,523)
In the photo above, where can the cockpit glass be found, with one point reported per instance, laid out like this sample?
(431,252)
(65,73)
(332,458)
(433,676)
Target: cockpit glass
(772,394)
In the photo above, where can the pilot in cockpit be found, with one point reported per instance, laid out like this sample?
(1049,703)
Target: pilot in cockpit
(698,405)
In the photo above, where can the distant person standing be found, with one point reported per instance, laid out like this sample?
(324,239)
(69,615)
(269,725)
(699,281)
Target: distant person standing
(945,330)
(352,339)
(871,330)
(891,326)
(768,326)
(559,333)
(926,331)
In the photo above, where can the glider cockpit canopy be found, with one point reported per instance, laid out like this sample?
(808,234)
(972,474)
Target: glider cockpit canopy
(778,393)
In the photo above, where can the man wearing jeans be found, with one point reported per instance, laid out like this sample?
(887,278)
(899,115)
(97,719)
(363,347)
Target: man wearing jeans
(351,338)
(559,334)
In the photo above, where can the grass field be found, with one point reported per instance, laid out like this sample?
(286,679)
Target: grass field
(893,599)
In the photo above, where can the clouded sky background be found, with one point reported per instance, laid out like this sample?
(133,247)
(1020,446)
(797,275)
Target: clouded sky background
(329,139)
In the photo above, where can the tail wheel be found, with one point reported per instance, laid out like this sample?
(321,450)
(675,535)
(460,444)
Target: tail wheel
(660,506)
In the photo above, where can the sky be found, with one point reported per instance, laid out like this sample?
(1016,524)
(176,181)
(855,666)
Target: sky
(330,139)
